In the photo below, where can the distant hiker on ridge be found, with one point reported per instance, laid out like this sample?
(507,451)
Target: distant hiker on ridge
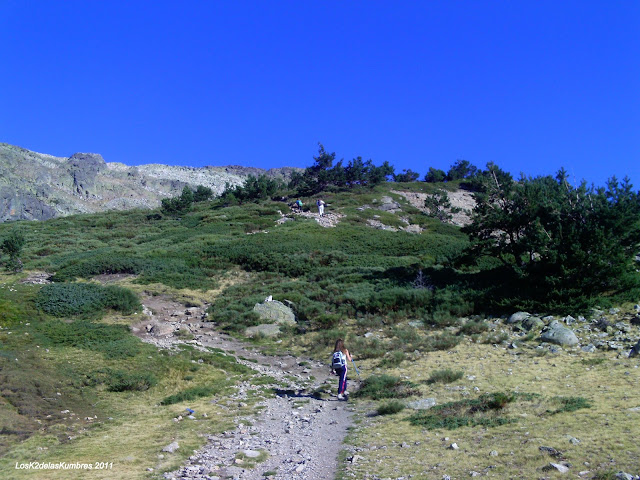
(339,366)
(320,204)
(297,205)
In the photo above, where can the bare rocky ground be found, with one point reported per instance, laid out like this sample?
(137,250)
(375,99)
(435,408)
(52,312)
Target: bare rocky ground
(328,220)
(460,199)
(293,435)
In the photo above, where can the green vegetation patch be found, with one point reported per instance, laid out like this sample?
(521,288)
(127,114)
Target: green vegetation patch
(391,408)
(121,381)
(444,376)
(85,299)
(489,410)
(386,386)
(570,404)
(486,411)
(193,393)
(114,341)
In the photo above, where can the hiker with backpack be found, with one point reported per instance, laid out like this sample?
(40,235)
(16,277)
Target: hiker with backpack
(320,203)
(339,366)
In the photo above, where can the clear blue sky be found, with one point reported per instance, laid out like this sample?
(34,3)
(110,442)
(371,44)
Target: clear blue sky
(530,85)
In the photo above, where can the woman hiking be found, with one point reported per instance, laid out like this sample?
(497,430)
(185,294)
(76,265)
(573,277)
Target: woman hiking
(339,366)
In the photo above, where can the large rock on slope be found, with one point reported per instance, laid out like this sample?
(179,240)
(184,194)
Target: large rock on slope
(276,312)
(518,317)
(556,333)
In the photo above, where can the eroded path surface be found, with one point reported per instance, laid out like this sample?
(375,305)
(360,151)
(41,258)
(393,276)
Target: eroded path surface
(300,434)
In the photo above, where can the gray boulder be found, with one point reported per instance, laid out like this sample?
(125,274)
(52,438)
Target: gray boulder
(556,333)
(532,323)
(172,447)
(518,317)
(389,205)
(635,350)
(162,329)
(276,312)
(422,404)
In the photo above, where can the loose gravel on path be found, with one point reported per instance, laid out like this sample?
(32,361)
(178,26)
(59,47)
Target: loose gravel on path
(301,435)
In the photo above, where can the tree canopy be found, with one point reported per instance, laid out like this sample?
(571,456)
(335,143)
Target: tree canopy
(324,174)
(565,243)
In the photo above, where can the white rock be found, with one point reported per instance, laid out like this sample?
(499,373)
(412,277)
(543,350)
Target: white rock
(561,468)
(172,447)
(251,453)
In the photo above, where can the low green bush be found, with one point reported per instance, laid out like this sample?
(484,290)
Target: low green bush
(570,404)
(190,394)
(114,341)
(121,381)
(444,341)
(386,386)
(444,376)
(85,299)
(391,408)
(485,411)
(473,327)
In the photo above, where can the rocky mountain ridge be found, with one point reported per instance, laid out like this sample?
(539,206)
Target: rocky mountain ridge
(37,186)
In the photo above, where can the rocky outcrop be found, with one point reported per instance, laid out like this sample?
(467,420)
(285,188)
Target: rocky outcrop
(23,206)
(84,168)
(36,186)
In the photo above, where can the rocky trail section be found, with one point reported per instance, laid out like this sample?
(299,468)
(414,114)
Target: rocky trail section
(294,436)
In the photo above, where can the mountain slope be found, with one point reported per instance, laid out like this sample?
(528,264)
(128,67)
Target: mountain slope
(36,186)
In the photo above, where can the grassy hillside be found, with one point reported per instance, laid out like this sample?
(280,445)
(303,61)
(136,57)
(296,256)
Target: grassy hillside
(76,383)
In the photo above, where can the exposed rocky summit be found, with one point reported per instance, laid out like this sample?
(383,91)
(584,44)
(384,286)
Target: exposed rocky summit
(36,186)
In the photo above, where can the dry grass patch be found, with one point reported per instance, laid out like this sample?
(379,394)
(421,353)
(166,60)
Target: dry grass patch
(127,428)
(598,436)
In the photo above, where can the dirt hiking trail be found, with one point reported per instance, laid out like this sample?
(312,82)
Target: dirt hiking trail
(301,434)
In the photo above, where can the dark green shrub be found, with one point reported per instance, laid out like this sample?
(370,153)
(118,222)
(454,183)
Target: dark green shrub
(386,386)
(190,394)
(484,411)
(114,341)
(85,299)
(120,381)
(592,362)
(13,243)
(445,341)
(494,401)
(570,404)
(473,327)
(443,318)
(494,338)
(390,408)
(444,376)
(178,205)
